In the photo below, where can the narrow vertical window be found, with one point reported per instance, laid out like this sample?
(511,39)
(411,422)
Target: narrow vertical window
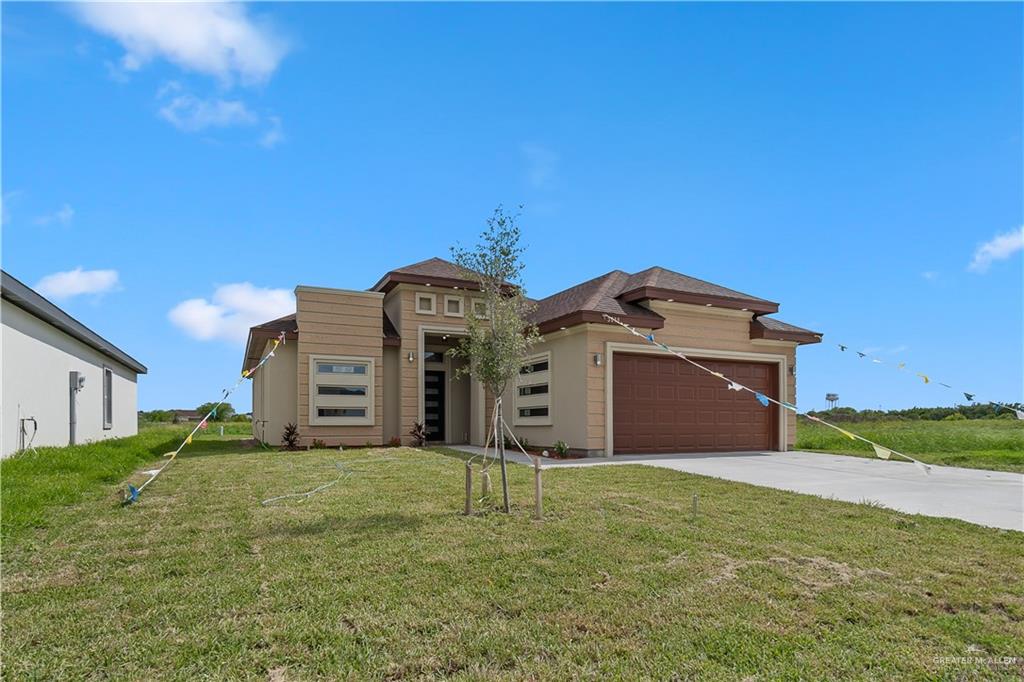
(108,398)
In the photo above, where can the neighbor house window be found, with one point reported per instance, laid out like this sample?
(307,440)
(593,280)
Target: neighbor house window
(426,304)
(108,398)
(341,390)
(533,392)
(453,306)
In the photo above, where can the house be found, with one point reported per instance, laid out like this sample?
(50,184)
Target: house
(183,416)
(363,366)
(62,382)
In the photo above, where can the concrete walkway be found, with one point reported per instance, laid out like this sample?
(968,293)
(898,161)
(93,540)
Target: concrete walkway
(987,498)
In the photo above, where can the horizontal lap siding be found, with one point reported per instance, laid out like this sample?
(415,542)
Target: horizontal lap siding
(340,323)
(687,328)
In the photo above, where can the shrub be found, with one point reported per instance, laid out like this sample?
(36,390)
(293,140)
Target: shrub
(290,437)
(561,448)
(395,442)
(419,434)
(319,444)
(955,417)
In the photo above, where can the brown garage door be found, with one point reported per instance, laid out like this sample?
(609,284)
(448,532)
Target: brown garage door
(664,404)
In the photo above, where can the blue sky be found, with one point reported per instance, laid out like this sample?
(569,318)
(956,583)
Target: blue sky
(849,161)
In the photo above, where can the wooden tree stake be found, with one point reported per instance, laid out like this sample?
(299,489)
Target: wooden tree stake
(538,510)
(469,489)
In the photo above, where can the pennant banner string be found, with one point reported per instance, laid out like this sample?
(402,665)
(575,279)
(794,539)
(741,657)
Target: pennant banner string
(133,492)
(927,379)
(765,400)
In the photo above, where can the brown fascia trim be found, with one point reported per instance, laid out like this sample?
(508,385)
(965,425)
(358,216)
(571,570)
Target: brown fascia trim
(658,294)
(585,316)
(264,335)
(393,279)
(392,341)
(759,331)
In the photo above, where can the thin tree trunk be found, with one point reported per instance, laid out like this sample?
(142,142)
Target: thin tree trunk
(501,453)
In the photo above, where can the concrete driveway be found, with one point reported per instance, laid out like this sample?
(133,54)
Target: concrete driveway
(987,498)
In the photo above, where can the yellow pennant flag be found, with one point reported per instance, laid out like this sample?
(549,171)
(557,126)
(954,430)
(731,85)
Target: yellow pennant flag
(884,453)
(188,441)
(848,434)
(245,373)
(925,377)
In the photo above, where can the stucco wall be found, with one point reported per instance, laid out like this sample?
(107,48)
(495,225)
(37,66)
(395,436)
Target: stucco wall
(341,323)
(568,392)
(274,396)
(37,359)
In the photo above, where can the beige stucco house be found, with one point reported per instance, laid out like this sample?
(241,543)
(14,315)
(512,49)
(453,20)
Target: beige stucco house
(362,367)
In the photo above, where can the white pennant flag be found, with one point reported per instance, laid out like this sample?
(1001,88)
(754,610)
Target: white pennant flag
(1020,414)
(926,468)
(884,453)
(733,386)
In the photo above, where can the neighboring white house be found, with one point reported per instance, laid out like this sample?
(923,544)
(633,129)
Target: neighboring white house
(62,382)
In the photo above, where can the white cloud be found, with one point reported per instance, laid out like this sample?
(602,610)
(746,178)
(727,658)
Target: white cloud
(273,135)
(930,275)
(62,216)
(62,285)
(232,310)
(999,247)
(216,39)
(541,165)
(192,114)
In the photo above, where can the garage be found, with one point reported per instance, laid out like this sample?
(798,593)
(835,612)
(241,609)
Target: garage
(664,405)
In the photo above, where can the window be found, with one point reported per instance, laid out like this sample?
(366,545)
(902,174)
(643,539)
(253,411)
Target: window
(341,390)
(434,356)
(480,309)
(108,398)
(341,412)
(453,306)
(348,368)
(533,411)
(533,392)
(541,366)
(426,304)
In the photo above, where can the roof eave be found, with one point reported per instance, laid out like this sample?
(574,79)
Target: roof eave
(759,331)
(658,294)
(594,316)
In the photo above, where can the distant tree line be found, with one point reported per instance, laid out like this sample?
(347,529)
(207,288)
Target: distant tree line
(225,413)
(973,411)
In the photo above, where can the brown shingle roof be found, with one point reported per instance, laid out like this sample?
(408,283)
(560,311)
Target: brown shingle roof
(587,302)
(660,278)
(261,333)
(770,328)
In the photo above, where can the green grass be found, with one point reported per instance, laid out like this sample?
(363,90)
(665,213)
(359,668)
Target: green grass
(380,577)
(978,443)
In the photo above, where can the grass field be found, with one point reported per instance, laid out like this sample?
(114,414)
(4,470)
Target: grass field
(380,577)
(978,443)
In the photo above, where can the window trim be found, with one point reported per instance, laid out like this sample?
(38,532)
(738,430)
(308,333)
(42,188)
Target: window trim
(482,302)
(462,306)
(108,398)
(423,296)
(522,402)
(318,401)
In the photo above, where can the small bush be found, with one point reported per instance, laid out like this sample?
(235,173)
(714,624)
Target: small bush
(561,448)
(395,442)
(955,417)
(319,444)
(290,437)
(419,434)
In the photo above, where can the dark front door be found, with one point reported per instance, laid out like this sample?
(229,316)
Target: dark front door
(433,404)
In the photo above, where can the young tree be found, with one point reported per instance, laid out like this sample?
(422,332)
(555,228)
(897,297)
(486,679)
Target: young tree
(497,342)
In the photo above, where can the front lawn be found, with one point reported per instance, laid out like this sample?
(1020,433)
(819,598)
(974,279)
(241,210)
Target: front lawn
(380,577)
(975,443)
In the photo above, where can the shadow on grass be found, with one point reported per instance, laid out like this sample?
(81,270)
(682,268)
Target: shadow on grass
(359,528)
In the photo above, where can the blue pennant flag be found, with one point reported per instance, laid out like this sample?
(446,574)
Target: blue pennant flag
(650,337)
(213,413)
(790,406)
(969,396)
(762,398)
